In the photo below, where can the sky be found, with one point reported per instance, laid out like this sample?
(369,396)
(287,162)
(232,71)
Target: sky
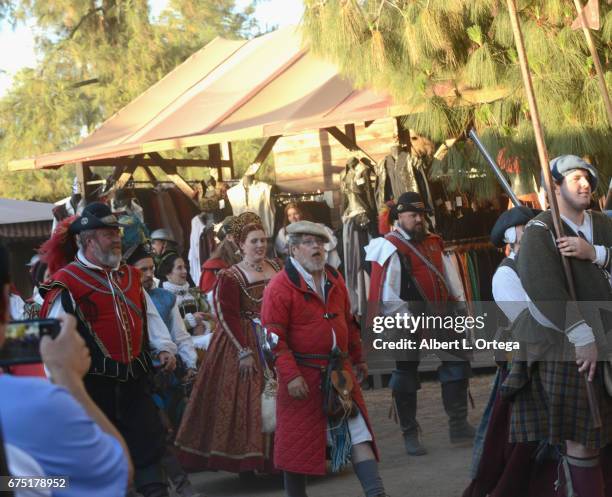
(17,46)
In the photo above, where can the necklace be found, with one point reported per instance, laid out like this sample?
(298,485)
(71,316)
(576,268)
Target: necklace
(257,267)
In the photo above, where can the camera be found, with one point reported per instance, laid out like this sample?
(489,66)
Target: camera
(23,340)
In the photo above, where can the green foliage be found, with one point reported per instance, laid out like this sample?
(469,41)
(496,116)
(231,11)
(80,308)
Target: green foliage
(438,49)
(94,57)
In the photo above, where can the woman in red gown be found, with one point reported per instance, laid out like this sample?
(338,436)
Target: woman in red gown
(222,426)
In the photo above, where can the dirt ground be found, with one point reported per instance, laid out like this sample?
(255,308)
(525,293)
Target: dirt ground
(443,472)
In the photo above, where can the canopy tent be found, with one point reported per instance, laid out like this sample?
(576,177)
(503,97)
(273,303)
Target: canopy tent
(21,219)
(265,87)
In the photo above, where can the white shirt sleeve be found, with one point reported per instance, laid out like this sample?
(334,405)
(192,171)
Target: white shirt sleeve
(280,244)
(57,309)
(508,292)
(182,339)
(453,280)
(159,336)
(391,301)
(600,255)
(17,306)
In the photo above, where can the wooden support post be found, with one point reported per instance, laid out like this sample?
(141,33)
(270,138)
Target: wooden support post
(150,175)
(548,181)
(83,174)
(125,176)
(227,155)
(349,131)
(347,142)
(214,154)
(601,80)
(265,150)
(174,176)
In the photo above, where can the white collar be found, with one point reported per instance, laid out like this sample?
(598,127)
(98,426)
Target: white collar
(586,227)
(176,289)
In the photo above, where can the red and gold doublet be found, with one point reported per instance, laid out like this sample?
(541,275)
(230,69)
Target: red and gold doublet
(110,309)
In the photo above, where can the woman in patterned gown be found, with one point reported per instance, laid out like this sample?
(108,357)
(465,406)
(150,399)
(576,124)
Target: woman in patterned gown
(222,426)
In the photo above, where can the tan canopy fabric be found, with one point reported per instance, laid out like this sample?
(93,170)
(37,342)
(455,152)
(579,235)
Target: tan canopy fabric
(230,90)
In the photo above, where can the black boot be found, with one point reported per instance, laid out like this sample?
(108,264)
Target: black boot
(406,405)
(455,399)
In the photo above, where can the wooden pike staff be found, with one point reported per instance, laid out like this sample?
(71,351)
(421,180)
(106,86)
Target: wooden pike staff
(543,156)
(596,61)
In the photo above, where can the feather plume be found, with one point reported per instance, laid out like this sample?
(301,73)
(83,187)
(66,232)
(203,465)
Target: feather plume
(59,250)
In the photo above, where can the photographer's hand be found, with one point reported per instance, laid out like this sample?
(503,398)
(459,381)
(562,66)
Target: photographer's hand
(67,359)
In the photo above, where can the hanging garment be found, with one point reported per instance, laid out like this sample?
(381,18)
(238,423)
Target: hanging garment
(255,197)
(185,210)
(195,264)
(400,172)
(355,238)
(170,219)
(356,186)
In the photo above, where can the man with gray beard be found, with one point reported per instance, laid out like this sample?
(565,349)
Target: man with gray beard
(317,348)
(108,301)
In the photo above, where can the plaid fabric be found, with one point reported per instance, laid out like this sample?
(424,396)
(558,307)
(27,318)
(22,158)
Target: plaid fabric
(550,403)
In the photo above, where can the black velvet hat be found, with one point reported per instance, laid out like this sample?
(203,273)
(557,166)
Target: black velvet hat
(411,202)
(516,216)
(95,216)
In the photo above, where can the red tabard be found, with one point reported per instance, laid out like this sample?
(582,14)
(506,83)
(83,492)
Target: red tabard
(432,286)
(95,303)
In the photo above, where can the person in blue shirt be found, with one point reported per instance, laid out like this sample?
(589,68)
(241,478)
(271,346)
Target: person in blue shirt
(54,429)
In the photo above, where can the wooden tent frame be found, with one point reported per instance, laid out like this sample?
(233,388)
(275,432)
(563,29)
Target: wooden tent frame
(220,159)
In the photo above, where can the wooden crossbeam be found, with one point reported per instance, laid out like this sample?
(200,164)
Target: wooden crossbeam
(173,175)
(347,142)
(265,150)
(124,161)
(150,175)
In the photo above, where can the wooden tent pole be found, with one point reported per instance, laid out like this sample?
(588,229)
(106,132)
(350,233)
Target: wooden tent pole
(543,156)
(596,60)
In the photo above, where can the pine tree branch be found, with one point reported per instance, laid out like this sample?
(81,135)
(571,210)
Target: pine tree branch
(83,19)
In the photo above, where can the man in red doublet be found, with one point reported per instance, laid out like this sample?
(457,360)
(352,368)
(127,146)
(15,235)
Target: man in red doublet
(107,299)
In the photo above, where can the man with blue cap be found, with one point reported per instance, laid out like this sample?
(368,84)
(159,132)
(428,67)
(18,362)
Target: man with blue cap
(550,400)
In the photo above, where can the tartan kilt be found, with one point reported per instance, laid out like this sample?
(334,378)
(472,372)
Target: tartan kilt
(550,403)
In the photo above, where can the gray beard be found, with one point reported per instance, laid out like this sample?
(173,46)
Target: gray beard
(313,266)
(106,259)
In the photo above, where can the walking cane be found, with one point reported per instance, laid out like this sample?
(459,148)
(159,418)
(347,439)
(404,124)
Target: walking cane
(543,156)
(596,61)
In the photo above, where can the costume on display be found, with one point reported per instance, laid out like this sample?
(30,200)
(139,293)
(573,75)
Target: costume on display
(359,221)
(410,277)
(251,195)
(110,309)
(222,426)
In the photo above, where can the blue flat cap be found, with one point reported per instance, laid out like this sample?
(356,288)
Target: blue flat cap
(564,164)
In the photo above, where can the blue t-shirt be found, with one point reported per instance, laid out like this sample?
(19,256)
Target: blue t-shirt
(48,424)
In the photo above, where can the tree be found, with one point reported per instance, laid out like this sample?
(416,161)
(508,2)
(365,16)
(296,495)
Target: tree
(420,51)
(94,58)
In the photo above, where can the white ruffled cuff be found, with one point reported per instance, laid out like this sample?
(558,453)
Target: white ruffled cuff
(190,320)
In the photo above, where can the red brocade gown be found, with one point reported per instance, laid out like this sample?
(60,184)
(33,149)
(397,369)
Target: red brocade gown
(222,427)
